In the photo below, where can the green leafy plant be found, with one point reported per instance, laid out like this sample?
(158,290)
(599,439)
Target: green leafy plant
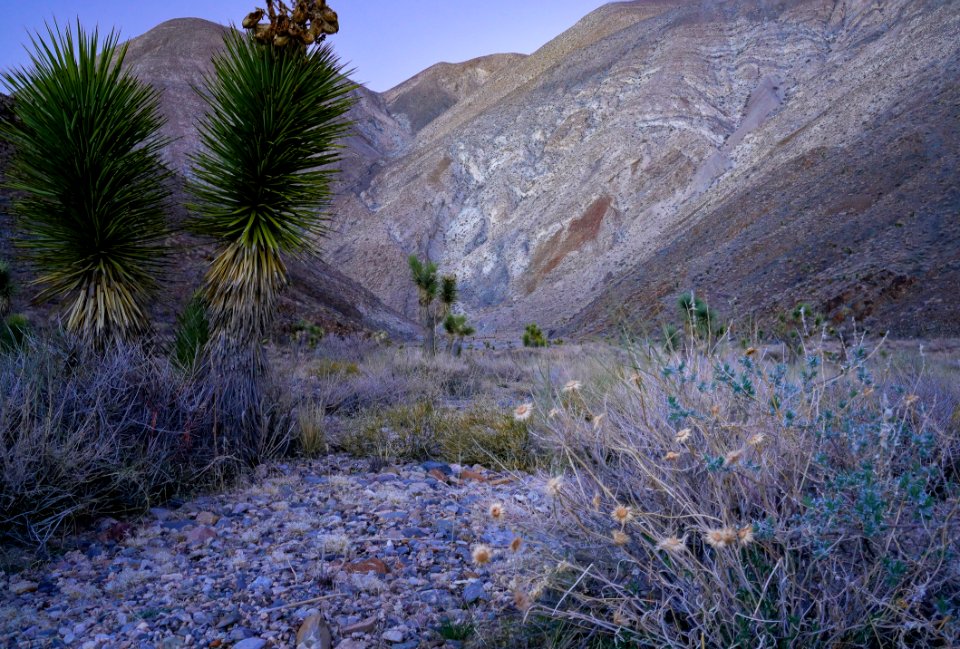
(701,321)
(87,161)
(424,275)
(192,334)
(533,336)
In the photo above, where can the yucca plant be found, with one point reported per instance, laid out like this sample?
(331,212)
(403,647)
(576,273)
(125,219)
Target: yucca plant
(424,276)
(261,190)
(262,179)
(457,329)
(87,163)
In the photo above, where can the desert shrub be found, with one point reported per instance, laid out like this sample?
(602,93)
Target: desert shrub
(727,500)
(87,435)
(533,336)
(312,438)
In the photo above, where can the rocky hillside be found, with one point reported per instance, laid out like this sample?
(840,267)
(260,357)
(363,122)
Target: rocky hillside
(760,152)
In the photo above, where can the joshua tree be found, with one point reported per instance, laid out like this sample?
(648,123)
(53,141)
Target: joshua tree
(262,179)
(87,161)
(533,336)
(425,277)
(457,329)
(448,294)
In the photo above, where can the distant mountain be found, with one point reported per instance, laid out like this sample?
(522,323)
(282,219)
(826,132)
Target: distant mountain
(760,152)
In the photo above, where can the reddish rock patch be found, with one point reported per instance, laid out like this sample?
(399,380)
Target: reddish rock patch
(577,234)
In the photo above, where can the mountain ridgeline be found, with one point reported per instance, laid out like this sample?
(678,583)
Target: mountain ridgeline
(760,152)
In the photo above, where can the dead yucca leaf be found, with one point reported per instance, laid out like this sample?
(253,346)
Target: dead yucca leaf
(308,22)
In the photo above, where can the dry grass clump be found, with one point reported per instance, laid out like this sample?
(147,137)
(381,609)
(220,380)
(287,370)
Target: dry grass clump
(84,435)
(479,434)
(725,499)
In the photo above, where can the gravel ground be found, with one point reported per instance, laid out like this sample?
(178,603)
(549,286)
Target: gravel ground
(324,549)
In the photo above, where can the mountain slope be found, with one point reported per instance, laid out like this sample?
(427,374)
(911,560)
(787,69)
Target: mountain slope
(760,152)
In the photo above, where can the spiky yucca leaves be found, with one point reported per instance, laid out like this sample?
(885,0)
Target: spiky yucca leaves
(457,329)
(87,161)
(263,178)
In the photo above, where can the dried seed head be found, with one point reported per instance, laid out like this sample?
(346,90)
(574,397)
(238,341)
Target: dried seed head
(715,412)
(745,534)
(722,537)
(554,412)
(622,514)
(522,600)
(252,19)
(496,511)
(523,411)
(596,500)
(911,399)
(554,485)
(482,554)
(516,544)
(572,386)
(683,436)
(620,538)
(750,351)
(672,544)
(757,440)
(671,456)
(733,457)
(598,420)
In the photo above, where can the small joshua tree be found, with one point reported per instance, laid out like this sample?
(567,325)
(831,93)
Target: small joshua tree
(533,336)
(425,277)
(457,329)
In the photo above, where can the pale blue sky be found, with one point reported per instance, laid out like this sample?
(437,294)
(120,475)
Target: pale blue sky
(386,41)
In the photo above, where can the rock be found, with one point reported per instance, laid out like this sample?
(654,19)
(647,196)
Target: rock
(207,518)
(22,587)
(314,634)
(474,591)
(364,626)
(442,467)
(438,475)
(261,583)
(199,535)
(352,644)
(396,634)
(229,619)
(470,474)
(367,565)
(251,643)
